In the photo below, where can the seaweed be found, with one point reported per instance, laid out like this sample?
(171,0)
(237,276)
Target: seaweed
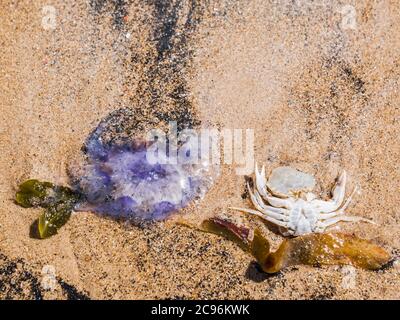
(58,202)
(309,249)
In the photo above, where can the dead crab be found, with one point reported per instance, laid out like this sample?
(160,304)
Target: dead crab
(293,207)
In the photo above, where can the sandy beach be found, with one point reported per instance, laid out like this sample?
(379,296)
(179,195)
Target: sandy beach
(318,82)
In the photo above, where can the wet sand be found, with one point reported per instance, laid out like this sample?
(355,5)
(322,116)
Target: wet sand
(320,93)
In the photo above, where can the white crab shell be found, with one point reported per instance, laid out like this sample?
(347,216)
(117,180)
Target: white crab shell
(287,181)
(285,201)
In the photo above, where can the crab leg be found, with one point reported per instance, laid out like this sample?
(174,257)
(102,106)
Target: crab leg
(261,182)
(337,197)
(261,206)
(269,213)
(267,216)
(322,225)
(349,200)
(261,185)
(326,216)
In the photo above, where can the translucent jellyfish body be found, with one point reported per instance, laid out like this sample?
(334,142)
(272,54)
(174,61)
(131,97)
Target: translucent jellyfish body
(124,179)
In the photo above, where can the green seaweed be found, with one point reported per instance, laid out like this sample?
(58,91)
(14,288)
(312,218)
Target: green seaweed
(58,202)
